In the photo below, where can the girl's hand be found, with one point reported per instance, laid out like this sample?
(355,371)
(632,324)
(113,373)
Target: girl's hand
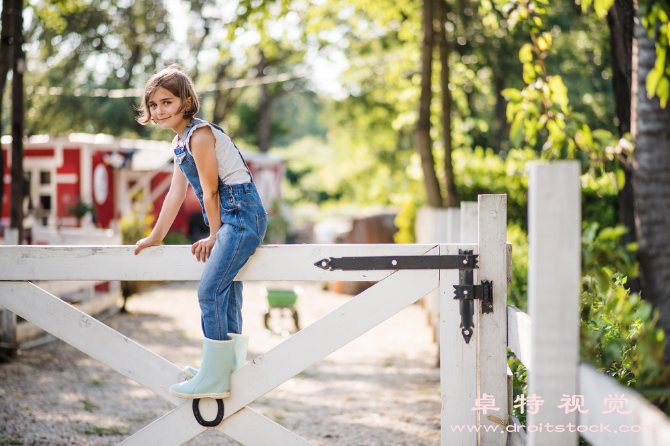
(203,248)
(145,243)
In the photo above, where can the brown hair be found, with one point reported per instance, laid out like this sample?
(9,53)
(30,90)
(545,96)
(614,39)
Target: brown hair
(174,80)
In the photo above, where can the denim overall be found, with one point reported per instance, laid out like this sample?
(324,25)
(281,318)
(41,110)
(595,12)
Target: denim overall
(244,222)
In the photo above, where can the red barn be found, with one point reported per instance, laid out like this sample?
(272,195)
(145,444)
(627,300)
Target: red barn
(70,175)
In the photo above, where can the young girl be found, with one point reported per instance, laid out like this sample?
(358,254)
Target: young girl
(208,160)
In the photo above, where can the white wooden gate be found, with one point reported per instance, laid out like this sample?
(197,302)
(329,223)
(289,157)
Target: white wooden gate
(467,370)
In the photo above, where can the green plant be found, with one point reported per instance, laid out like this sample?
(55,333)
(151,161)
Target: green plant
(277,228)
(518,289)
(176,238)
(81,208)
(88,405)
(618,329)
(520,386)
(135,226)
(405,221)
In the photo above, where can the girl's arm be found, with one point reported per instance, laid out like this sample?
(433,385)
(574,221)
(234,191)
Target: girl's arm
(202,147)
(173,200)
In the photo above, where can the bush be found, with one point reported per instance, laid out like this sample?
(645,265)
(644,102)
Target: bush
(135,226)
(618,329)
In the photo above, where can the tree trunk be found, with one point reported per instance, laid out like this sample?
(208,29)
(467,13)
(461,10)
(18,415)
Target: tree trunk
(422,139)
(451,195)
(263,110)
(5,60)
(18,68)
(501,127)
(620,20)
(651,183)
(218,96)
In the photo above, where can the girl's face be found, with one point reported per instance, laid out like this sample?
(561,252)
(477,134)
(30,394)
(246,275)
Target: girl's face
(164,107)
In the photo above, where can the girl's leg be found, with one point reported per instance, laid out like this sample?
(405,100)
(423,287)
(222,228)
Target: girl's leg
(235,308)
(220,298)
(216,281)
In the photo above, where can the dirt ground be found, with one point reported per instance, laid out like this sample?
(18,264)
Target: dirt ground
(381,389)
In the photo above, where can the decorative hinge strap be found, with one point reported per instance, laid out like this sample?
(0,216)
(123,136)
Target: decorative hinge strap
(460,262)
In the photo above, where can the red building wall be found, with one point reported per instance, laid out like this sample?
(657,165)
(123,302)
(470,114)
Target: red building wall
(104,209)
(68,193)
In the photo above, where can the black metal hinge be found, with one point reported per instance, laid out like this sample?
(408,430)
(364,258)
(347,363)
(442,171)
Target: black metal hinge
(461,262)
(484,292)
(466,292)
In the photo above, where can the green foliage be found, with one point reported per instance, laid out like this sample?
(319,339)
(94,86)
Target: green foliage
(278,225)
(618,330)
(134,226)
(481,172)
(77,47)
(80,209)
(542,109)
(176,238)
(520,386)
(518,289)
(405,221)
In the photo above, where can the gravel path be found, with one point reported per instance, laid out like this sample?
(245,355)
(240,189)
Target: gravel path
(381,389)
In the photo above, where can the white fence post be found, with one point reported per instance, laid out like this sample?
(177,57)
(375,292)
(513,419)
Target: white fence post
(554,222)
(492,330)
(458,362)
(11,236)
(435,225)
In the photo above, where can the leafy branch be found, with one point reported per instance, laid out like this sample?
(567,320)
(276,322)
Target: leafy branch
(542,107)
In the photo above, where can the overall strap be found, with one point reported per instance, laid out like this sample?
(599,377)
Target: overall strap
(189,127)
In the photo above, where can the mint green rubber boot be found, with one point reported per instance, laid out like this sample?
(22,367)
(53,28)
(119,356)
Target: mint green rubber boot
(240,345)
(213,379)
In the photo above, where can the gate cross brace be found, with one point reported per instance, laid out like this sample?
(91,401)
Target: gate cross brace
(252,381)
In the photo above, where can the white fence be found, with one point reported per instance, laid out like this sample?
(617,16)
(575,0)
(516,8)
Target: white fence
(471,373)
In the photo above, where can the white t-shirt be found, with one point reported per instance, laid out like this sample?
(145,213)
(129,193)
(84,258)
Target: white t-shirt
(229,162)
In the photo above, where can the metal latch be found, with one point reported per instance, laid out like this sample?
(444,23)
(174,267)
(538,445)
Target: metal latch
(460,262)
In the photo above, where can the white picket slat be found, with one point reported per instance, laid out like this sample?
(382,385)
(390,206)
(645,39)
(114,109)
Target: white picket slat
(519,328)
(458,362)
(492,344)
(469,222)
(328,334)
(654,425)
(120,353)
(554,287)
(175,262)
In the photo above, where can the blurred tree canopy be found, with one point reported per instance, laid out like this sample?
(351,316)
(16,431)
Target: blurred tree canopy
(521,80)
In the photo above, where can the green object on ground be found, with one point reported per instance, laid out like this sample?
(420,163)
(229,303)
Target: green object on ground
(281,298)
